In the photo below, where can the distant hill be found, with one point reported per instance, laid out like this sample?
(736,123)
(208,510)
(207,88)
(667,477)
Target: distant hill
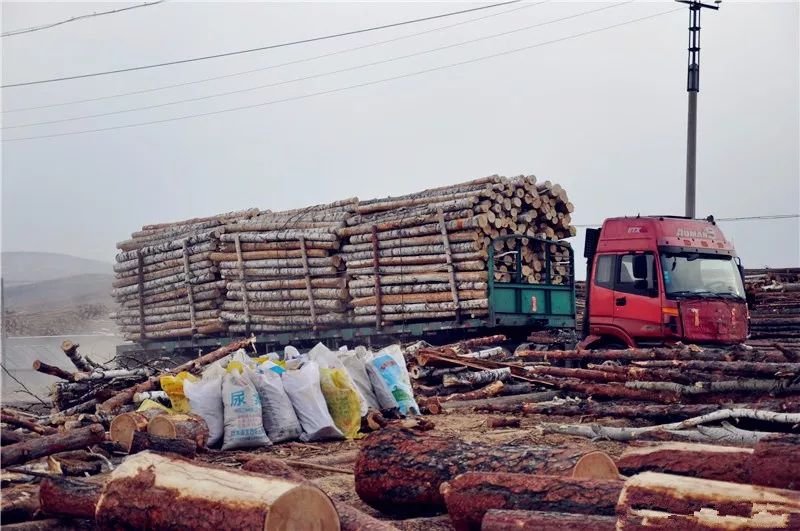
(60,293)
(20,268)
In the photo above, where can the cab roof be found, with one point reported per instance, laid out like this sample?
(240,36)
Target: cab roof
(650,232)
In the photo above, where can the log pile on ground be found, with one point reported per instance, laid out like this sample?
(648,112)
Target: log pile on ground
(166,284)
(774,303)
(416,257)
(687,392)
(496,486)
(282,270)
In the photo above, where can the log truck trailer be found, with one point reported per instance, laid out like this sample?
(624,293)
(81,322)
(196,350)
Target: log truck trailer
(650,280)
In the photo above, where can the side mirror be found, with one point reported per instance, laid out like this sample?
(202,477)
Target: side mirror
(740,267)
(640,267)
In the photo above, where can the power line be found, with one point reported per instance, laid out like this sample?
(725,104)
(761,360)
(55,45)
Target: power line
(318,75)
(74,19)
(262,69)
(740,218)
(349,87)
(260,48)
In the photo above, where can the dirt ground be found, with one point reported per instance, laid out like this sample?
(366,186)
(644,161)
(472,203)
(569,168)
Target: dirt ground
(463,424)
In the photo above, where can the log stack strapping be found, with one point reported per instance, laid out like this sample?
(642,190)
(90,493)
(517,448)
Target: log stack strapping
(282,270)
(166,284)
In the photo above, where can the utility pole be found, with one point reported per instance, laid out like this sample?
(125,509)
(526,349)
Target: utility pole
(693,87)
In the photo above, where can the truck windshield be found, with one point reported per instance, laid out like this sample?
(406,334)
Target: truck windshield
(698,275)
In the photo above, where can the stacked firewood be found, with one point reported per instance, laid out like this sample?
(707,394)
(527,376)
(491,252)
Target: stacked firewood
(774,296)
(425,255)
(166,284)
(281,270)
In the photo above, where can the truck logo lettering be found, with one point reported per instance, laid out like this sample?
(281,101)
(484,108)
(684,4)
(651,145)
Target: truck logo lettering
(634,230)
(707,233)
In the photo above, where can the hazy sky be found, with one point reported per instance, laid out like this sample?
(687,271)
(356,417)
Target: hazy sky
(603,114)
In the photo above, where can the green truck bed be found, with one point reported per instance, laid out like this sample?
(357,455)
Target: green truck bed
(515,309)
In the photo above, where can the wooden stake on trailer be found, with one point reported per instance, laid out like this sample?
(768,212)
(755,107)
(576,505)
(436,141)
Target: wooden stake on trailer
(309,291)
(240,266)
(377,265)
(189,289)
(449,258)
(140,291)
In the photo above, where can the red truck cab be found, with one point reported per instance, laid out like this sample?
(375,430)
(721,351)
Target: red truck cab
(661,279)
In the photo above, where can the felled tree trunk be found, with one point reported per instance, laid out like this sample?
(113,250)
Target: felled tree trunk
(51,444)
(16,420)
(399,471)
(503,520)
(661,501)
(470,495)
(142,441)
(189,427)
(151,491)
(476,378)
(774,462)
(723,463)
(71,497)
(19,503)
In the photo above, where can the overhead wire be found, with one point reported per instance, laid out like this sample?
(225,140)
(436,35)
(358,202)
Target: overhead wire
(271,67)
(354,86)
(259,48)
(318,75)
(41,27)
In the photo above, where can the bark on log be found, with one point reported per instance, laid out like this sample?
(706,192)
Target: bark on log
(123,426)
(470,495)
(503,520)
(661,501)
(9,436)
(71,350)
(151,491)
(476,378)
(52,370)
(735,367)
(419,297)
(399,471)
(722,463)
(51,444)
(503,422)
(774,462)
(123,397)
(71,497)
(16,420)
(19,503)
(190,427)
(493,389)
(142,441)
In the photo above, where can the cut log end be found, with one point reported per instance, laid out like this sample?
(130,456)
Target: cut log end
(595,465)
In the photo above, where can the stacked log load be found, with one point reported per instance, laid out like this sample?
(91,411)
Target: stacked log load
(282,271)
(774,300)
(166,284)
(425,255)
(420,256)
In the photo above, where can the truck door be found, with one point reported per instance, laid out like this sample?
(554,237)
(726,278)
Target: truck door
(601,299)
(637,306)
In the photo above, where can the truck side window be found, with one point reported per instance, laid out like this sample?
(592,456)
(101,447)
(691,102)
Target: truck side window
(627,282)
(603,276)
